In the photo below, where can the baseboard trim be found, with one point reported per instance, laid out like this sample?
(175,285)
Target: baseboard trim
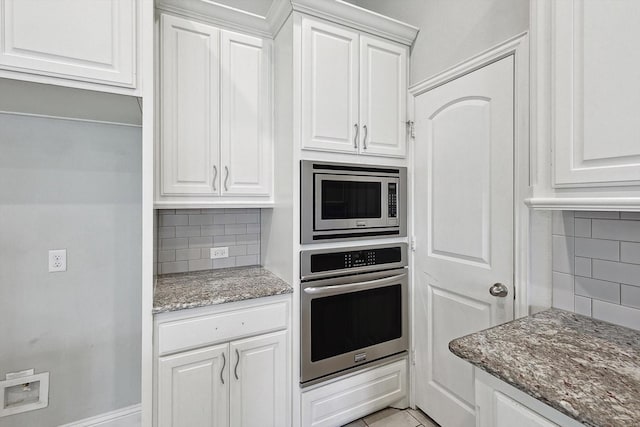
(124,417)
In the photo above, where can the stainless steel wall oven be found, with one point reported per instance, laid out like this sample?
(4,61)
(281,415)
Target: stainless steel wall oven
(347,201)
(354,307)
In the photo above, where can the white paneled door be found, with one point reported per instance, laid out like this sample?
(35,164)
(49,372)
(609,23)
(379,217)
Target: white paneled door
(463,200)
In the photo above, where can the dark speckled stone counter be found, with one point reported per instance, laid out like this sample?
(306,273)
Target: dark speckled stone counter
(202,288)
(584,368)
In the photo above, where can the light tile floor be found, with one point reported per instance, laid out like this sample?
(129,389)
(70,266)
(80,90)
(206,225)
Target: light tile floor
(391,417)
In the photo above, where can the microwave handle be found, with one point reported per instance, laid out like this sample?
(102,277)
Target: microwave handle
(340,289)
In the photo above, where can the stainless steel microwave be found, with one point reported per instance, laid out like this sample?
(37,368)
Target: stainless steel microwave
(342,201)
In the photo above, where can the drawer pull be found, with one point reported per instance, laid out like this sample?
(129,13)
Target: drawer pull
(235,370)
(224,363)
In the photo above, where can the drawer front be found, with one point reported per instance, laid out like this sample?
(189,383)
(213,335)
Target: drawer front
(204,330)
(345,400)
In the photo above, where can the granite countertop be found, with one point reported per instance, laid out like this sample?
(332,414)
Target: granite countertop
(584,368)
(209,287)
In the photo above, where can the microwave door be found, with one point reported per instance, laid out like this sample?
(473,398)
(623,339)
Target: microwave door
(348,202)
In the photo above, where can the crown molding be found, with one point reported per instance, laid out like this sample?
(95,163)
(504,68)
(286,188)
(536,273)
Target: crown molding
(353,16)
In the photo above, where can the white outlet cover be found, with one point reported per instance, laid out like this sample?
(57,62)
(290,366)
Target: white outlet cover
(57,260)
(222,252)
(42,398)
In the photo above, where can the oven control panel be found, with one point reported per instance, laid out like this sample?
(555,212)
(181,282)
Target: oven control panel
(344,260)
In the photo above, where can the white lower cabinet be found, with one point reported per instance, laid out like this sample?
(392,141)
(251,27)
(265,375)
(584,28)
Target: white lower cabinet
(240,383)
(500,405)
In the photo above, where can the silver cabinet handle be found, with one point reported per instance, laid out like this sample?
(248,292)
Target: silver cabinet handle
(215,175)
(226,178)
(498,290)
(355,137)
(224,363)
(235,370)
(364,140)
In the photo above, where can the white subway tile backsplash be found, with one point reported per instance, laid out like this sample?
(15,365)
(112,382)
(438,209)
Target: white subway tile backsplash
(187,254)
(630,215)
(563,294)
(630,296)
(563,254)
(617,272)
(235,229)
(224,262)
(177,243)
(247,260)
(583,267)
(597,289)
(187,231)
(606,284)
(595,248)
(630,252)
(597,214)
(627,231)
(173,220)
(614,313)
(201,219)
(212,230)
(583,305)
(200,264)
(186,236)
(562,223)
(582,227)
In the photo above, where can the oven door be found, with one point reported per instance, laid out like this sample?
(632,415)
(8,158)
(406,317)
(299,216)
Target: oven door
(349,202)
(349,321)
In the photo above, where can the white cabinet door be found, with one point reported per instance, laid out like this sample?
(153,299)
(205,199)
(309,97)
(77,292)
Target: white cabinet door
(77,39)
(329,87)
(246,153)
(259,381)
(595,93)
(193,388)
(383,97)
(189,144)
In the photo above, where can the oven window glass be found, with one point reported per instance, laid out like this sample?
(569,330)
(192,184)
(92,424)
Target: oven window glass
(354,320)
(351,199)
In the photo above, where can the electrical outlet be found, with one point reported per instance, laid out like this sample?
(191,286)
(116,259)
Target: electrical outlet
(57,260)
(220,252)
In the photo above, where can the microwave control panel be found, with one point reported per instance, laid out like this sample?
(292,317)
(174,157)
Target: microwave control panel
(392,203)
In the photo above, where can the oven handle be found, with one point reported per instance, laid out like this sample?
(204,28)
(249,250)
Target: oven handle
(340,289)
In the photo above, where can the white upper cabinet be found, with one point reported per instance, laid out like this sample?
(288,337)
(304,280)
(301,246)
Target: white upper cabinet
(246,115)
(329,87)
(70,40)
(595,93)
(189,107)
(383,97)
(216,121)
(353,91)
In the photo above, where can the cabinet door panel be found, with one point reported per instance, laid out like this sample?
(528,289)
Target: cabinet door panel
(67,38)
(193,388)
(246,154)
(189,106)
(596,91)
(259,394)
(383,97)
(329,87)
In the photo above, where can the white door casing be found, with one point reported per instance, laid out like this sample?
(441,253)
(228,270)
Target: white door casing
(193,388)
(189,148)
(383,97)
(246,155)
(463,222)
(330,72)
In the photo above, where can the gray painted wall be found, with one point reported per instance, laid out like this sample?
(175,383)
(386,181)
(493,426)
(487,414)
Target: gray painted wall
(74,185)
(453,30)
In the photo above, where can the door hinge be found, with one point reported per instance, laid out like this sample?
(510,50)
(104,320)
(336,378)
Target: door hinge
(412,244)
(411,128)
(412,357)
